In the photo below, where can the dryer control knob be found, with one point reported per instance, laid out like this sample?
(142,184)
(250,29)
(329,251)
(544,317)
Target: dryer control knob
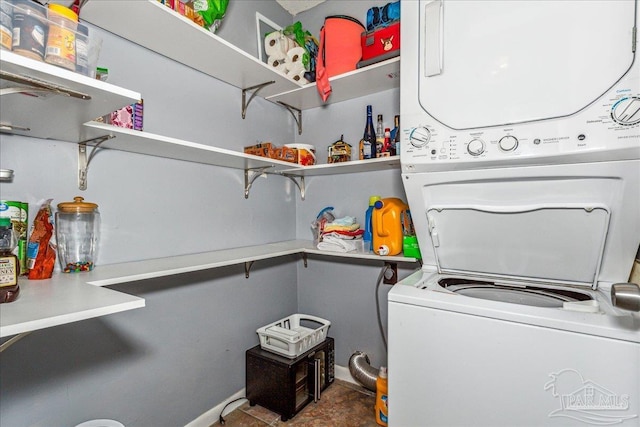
(508,143)
(420,137)
(626,111)
(475,147)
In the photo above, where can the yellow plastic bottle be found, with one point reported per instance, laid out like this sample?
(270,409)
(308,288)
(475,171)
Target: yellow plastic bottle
(387,231)
(381,397)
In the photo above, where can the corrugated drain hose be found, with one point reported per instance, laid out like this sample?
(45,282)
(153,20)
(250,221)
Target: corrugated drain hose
(359,364)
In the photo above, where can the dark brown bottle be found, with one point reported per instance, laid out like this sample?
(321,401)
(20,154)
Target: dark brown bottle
(9,263)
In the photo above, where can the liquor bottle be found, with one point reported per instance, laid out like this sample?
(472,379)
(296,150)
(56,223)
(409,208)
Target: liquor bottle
(379,136)
(395,135)
(369,137)
(388,148)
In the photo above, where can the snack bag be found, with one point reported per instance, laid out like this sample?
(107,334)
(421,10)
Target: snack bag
(211,11)
(41,255)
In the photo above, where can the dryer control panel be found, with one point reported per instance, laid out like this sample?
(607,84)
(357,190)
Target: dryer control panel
(611,125)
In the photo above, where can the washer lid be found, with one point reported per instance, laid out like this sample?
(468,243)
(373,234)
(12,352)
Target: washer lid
(550,243)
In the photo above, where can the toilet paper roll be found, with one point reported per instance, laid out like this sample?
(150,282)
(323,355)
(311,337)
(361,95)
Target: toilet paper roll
(294,67)
(294,56)
(277,45)
(297,75)
(277,64)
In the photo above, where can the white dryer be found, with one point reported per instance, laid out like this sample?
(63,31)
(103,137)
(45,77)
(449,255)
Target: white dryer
(520,158)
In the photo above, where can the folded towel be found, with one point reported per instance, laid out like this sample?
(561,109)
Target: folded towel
(333,244)
(345,220)
(347,235)
(334,227)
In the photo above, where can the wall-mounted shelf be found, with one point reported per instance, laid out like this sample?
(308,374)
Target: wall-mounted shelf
(354,166)
(44,101)
(220,59)
(67,298)
(375,78)
(163,146)
(178,38)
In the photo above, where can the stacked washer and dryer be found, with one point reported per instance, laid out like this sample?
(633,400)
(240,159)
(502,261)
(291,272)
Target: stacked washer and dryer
(520,159)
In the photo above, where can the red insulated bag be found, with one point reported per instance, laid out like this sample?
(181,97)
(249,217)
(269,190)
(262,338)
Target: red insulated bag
(340,50)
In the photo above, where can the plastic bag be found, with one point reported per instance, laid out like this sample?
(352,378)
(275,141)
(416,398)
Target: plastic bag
(211,11)
(41,255)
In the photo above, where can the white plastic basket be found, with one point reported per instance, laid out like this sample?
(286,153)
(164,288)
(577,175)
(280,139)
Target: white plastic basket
(293,335)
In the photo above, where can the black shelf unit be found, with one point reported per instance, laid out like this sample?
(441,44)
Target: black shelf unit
(285,385)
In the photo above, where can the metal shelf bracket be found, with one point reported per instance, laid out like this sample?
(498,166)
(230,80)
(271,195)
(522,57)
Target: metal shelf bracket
(250,175)
(37,85)
(293,111)
(299,184)
(304,259)
(84,160)
(257,88)
(247,268)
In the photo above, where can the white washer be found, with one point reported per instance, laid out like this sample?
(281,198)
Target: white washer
(520,155)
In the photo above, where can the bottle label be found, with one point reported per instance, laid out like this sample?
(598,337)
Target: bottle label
(8,276)
(382,411)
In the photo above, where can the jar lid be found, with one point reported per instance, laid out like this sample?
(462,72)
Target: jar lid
(64,11)
(78,206)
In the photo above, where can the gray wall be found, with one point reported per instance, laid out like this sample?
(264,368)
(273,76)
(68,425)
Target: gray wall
(183,353)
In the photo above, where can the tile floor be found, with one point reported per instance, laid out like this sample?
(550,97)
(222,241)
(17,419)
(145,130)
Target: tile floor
(342,405)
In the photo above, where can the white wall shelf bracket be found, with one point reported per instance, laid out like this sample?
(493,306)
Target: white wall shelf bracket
(39,85)
(297,117)
(250,175)
(255,90)
(299,184)
(84,160)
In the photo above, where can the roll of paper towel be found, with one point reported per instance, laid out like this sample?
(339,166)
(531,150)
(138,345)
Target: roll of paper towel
(277,45)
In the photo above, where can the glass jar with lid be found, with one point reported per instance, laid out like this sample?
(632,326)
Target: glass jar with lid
(77,235)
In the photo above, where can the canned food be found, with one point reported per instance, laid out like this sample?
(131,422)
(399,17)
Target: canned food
(29,30)
(18,213)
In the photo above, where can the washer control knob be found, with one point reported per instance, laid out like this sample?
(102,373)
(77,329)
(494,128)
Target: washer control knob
(420,137)
(508,143)
(626,111)
(475,147)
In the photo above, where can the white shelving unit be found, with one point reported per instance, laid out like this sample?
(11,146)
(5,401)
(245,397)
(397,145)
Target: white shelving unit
(224,61)
(65,103)
(44,101)
(67,298)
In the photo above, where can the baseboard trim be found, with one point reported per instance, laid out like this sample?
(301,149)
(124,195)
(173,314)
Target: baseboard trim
(213,414)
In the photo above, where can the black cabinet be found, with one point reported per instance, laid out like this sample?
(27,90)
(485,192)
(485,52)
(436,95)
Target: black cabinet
(285,385)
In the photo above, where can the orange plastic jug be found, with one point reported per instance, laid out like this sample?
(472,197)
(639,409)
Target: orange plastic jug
(387,228)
